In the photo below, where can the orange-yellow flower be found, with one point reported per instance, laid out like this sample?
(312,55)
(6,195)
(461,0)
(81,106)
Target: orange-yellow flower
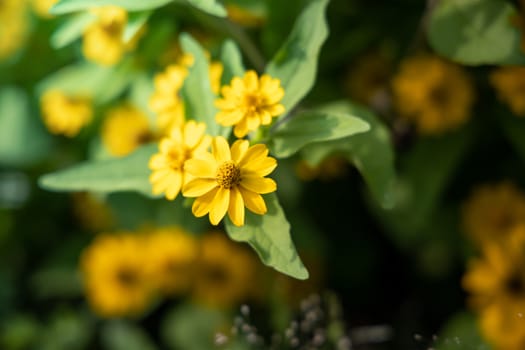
(249,102)
(63,114)
(168,167)
(227,180)
(509,83)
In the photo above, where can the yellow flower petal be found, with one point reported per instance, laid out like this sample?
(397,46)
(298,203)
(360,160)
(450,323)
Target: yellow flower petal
(238,149)
(253,201)
(236,207)
(219,206)
(197,187)
(251,81)
(221,149)
(202,205)
(201,167)
(261,167)
(175,185)
(258,184)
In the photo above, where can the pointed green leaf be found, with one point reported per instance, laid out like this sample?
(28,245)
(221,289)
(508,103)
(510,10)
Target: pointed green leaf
(130,173)
(66,6)
(295,64)
(269,236)
(313,126)
(476,32)
(372,152)
(72,29)
(23,140)
(231,59)
(198,96)
(136,21)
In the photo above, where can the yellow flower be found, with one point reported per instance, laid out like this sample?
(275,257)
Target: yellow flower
(125,129)
(434,94)
(509,83)
(249,102)
(92,212)
(227,180)
(168,166)
(63,114)
(13,28)
(103,40)
(171,257)
(244,17)
(216,70)
(166,101)
(41,7)
(114,275)
(492,210)
(496,283)
(225,272)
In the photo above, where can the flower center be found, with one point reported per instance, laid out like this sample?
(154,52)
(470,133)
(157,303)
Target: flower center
(253,102)
(177,157)
(515,285)
(228,175)
(127,277)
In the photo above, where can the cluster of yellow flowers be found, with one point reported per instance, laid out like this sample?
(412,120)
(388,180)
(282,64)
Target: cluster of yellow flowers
(226,179)
(124,273)
(494,218)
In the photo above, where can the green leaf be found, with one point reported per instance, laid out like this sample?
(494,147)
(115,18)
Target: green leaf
(313,126)
(124,335)
(476,32)
(191,327)
(269,236)
(72,29)
(212,7)
(198,96)
(23,140)
(459,332)
(372,152)
(66,6)
(136,21)
(130,173)
(231,59)
(514,129)
(295,64)
(102,84)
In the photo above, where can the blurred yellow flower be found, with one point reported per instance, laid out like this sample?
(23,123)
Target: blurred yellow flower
(249,102)
(14,26)
(168,166)
(115,276)
(496,283)
(227,180)
(166,101)
(171,258)
(367,79)
(103,41)
(92,212)
(63,114)
(216,70)
(226,272)
(332,167)
(434,94)
(492,210)
(509,83)
(126,128)
(244,17)
(41,7)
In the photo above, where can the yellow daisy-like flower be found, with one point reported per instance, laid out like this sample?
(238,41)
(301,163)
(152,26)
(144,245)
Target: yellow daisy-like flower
(168,166)
(434,94)
(249,102)
(496,283)
(491,211)
(126,128)
(63,114)
(103,41)
(509,83)
(225,272)
(227,180)
(14,26)
(114,275)
(171,258)
(166,101)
